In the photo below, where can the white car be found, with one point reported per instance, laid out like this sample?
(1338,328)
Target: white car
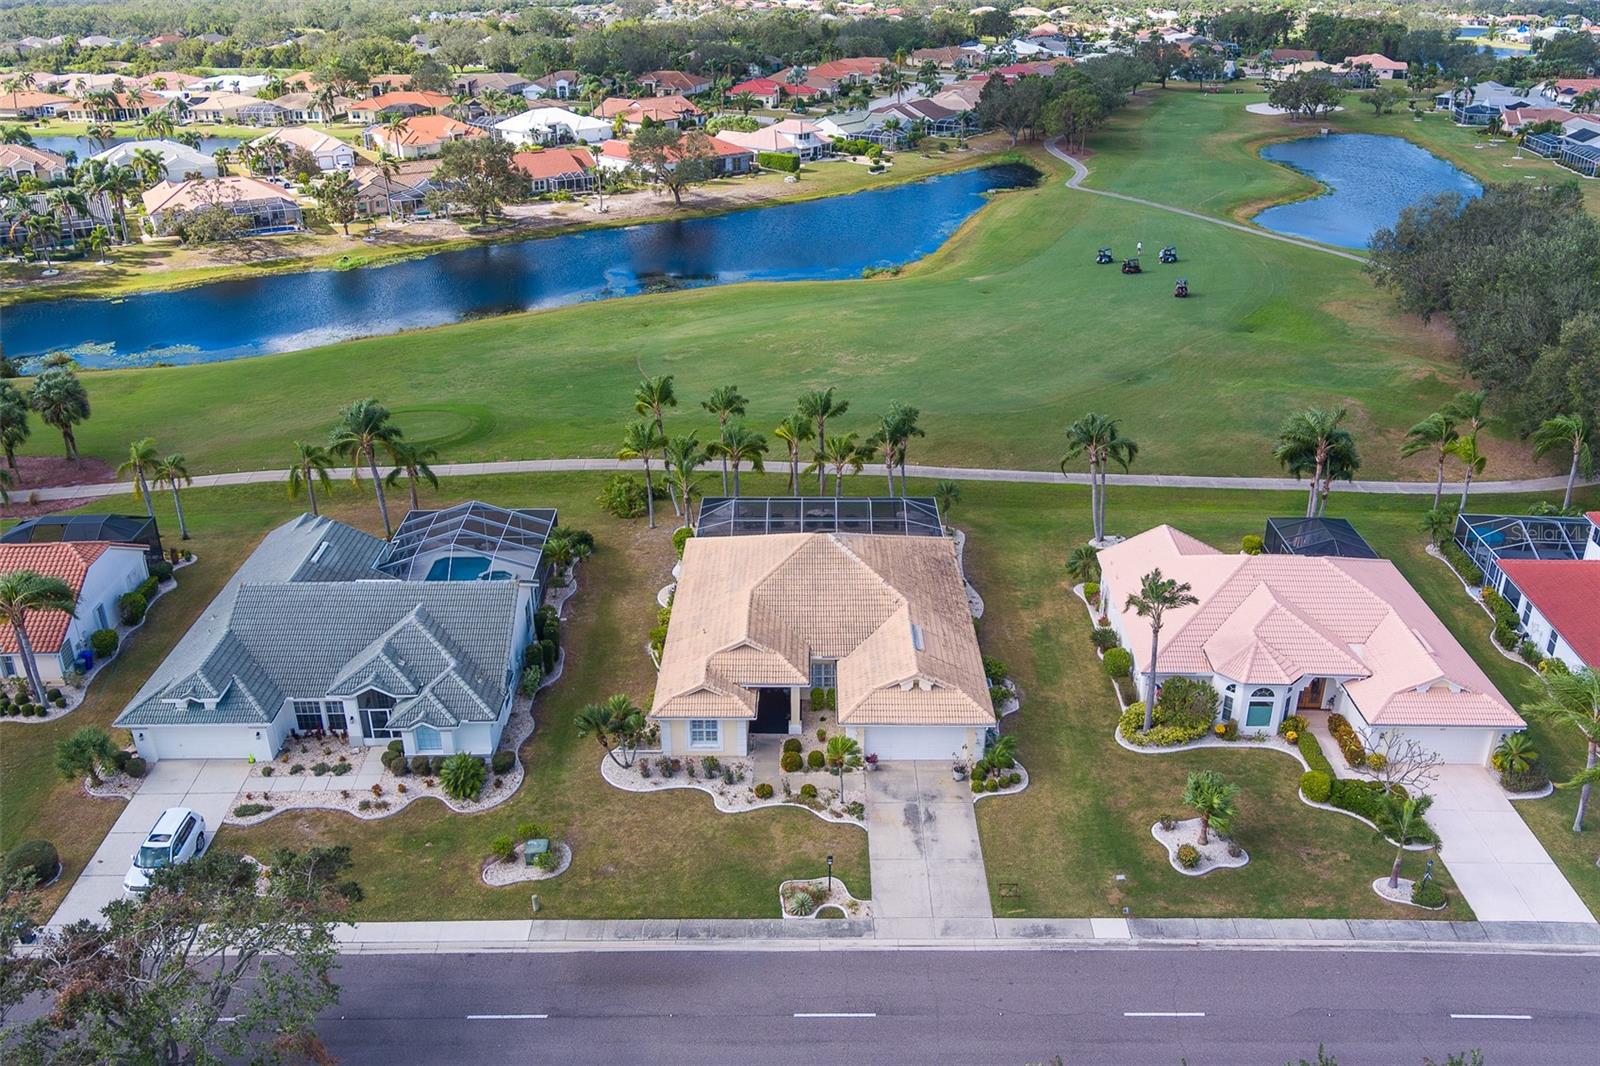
(178,836)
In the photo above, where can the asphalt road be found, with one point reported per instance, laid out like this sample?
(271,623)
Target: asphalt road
(1149,1007)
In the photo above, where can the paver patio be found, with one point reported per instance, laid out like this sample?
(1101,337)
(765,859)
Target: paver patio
(928,877)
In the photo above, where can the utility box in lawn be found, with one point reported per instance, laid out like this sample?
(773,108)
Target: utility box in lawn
(532,849)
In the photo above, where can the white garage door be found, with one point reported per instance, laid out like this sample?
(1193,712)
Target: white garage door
(915,742)
(203,742)
(1456,745)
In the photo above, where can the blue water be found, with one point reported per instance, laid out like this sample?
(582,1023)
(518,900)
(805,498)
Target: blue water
(1371,179)
(61,144)
(457,568)
(823,239)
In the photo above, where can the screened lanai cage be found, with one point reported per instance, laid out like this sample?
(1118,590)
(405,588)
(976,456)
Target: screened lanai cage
(911,516)
(1489,538)
(1315,536)
(470,542)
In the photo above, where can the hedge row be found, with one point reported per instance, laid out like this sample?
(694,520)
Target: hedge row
(789,164)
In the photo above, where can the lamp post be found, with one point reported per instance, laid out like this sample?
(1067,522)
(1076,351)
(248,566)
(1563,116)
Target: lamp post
(830,876)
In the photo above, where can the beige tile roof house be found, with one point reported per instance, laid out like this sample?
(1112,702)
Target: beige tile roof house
(1282,634)
(888,614)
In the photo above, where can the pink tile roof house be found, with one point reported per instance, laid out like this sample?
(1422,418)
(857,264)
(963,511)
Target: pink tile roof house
(1284,621)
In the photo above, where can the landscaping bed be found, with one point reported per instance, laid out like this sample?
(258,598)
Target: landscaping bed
(742,793)
(810,898)
(1190,857)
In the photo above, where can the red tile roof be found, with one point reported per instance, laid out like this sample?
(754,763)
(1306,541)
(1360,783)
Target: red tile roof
(1565,591)
(553,162)
(69,561)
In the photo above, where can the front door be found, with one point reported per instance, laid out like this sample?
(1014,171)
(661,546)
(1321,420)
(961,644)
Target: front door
(772,711)
(1311,695)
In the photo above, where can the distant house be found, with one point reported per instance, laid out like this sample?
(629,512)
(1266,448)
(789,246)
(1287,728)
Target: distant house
(329,152)
(376,108)
(936,119)
(181,160)
(675,83)
(673,112)
(422,135)
(476,84)
(556,85)
(21,160)
(265,208)
(379,84)
(1515,118)
(1292,55)
(29,105)
(230,107)
(860,126)
(790,137)
(960,95)
(98,573)
(401,194)
(301,107)
(168,82)
(955,57)
(552,125)
(244,84)
(557,170)
(730,158)
(830,77)
(1383,68)
(124,107)
(1565,91)
(771,93)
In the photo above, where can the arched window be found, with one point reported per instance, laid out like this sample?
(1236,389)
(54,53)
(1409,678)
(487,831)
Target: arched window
(1258,713)
(1261,693)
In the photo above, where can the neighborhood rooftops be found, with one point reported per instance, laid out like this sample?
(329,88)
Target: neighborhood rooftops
(1566,592)
(200,193)
(66,561)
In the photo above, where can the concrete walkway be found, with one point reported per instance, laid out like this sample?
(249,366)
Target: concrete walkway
(953,473)
(928,878)
(1497,862)
(1079,172)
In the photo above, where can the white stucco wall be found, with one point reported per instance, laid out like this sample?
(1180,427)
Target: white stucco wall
(1455,744)
(675,738)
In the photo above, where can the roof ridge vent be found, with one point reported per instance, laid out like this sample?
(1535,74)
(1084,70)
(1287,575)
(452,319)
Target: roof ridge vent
(916,636)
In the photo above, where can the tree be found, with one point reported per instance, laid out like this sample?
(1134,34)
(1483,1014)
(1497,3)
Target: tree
(97,241)
(1571,434)
(14,427)
(616,725)
(1466,450)
(1436,433)
(1097,438)
(336,195)
(1212,797)
(651,399)
(1397,762)
(673,159)
(22,592)
(893,80)
(1156,596)
(641,440)
(896,428)
(1305,93)
(682,456)
(1314,442)
(151,981)
(819,406)
(1083,563)
(1400,819)
(794,431)
(1385,98)
(412,463)
(141,462)
(1438,523)
(363,428)
(839,454)
(62,402)
(843,753)
(83,753)
(174,470)
(738,444)
(946,494)
(724,402)
(479,172)
(310,470)
(1163,57)
(1572,700)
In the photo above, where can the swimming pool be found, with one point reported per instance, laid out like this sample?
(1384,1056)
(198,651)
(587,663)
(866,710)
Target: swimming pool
(457,568)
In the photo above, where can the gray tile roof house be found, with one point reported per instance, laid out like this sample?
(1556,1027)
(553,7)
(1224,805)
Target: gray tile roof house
(309,634)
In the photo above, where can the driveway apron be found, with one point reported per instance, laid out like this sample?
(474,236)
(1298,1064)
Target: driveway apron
(928,877)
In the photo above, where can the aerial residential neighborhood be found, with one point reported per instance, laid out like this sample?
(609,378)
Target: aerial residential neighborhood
(800,532)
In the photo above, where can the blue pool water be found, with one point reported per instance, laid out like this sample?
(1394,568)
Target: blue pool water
(825,239)
(84,147)
(1370,179)
(457,568)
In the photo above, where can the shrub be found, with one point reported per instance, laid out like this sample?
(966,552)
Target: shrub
(389,758)
(103,642)
(248,810)
(763,791)
(1530,653)
(788,164)
(297,768)
(711,765)
(532,678)
(266,771)
(622,497)
(991,785)
(1358,797)
(658,638)
(147,588)
(1118,662)
(396,746)
(792,744)
(503,848)
(999,695)
(160,570)
(800,902)
(1252,544)
(1316,786)
(400,767)
(823,699)
(1234,850)
(135,766)
(1013,779)
(530,831)
(364,805)
(808,791)
(1427,894)
(1228,730)
(977,783)
(790,762)
(436,764)
(36,858)
(1104,638)
(462,776)
(548,649)
(994,670)
(1469,571)
(680,537)
(419,764)
(1311,751)
(341,768)
(1530,780)
(502,762)
(815,759)
(1295,723)
(1091,591)
(1188,856)
(131,607)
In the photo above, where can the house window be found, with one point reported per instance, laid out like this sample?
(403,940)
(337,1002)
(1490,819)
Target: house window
(1259,713)
(336,717)
(1527,612)
(824,673)
(1227,708)
(307,715)
(1550,645)
(705,733)
(427,738)
(375,708)
(100,616)
(8,665)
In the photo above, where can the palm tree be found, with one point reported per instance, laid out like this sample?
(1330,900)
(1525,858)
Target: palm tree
(736,445)
(838,454)
(150,165)
(14,427)
(744,101)
(1574,700)
(327,101)
(362,429)
(1313,442)
(62,402)
(1515,754)
(819,406)
(97,241)
(1399,818)
(1156,596)
(43,232)
(388,166)
(1569,432)
(895,430)
(617,725)
(21,593)
(682,456)
(1435,433)
(1096,437)
(843,752)
(1083,563)
(894,80)
(394,127)
(794,431)
(1470,409)
(651,399)
(174,470)
(1211,796)
(641,440)
(156,126)
(1438,523)
(310,469)
(142,462)
(1466,450)
(64,200)
(946,494)
(411,462)
(725,402)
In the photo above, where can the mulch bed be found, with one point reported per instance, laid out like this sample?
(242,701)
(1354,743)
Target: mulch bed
(49,471)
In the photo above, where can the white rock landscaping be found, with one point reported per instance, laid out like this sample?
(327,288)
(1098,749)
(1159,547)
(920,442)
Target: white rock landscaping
(497,874)
(729,799)
(1213,854)
(791,896)
(1401,893)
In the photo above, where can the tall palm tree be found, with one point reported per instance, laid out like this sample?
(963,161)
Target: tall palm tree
(363,428)
(839,454)
(1438,522)
(736,445)
(62,402)
(1574,700)
(1156,596)
(43,233)
(174,470)
(1212,797)
(14,428)
(1570,433)
(1466,450)
(682,456)
(725,402)
(21,593)
(794,431)
(394,127)
(1096,437)
(310,469)
(819,406)
(1434,433)
(150,165)
(388,166)
(412,463)
(1471,410)
(1400,819)
(1313,442)
(641,440)
(141,463)
(895,429)
(651,399)
(65,201)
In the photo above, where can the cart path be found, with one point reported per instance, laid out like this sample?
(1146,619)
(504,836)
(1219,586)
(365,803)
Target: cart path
(1080,172)
(953,473)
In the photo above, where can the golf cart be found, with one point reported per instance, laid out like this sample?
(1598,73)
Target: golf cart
(1169,254)
(1181,290)
(1131,266)
(1103,256)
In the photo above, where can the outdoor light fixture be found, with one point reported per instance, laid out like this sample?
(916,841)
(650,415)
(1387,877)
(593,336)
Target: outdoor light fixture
(830,876)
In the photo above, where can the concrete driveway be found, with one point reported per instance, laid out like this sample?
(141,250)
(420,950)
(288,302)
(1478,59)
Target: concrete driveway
(927,865)
(1499,865)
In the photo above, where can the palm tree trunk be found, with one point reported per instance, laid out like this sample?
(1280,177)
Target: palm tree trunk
(1100,514)
(838,482)
(888,472)
(377,484)
(144,490)
(1466,489)
(1587,790)
(177,504)
(31,668)
(70,441)
(649,494)
(902,474)
(794,469)
(1150,694)
(1311,497)
(1572,477)
(822,444)
(1394,871)
(1205,826)
(735,480)
(411,482)
(1438,486)
(725,476)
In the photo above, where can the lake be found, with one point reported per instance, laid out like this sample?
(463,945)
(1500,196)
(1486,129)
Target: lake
(832,238)
(1370,178)
(61,144)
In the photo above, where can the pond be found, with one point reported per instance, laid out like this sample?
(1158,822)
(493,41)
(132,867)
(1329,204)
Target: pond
(61,144)
(1370,178)
(826,239)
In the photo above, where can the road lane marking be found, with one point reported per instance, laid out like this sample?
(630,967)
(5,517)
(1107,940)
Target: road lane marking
(505,1017)
(1163,1014)
(836,1014)
(1494,1017)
